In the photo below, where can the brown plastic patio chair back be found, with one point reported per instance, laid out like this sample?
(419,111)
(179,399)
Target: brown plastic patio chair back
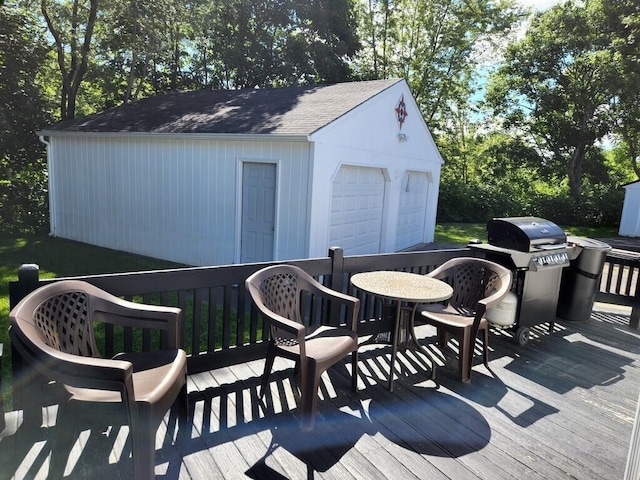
(277,292)
(478,285)
(52,331)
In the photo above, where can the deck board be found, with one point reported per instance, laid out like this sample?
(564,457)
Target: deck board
(561,406)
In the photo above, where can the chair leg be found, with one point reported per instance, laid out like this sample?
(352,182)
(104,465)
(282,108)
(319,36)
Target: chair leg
(465,355)
(64,436)
(354,370)
(485,346)
(310,396)
(183,421)
(442,338)
(143,449)
(268,365)
(30,393)
(182,403)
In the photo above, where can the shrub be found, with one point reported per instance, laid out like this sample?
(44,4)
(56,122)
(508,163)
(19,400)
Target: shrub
(600,205)
(24,201)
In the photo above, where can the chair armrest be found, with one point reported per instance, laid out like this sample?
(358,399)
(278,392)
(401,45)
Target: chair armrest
(117,311)
(441,272)
(498,295)
(92,372)
(73,370)
(351,303)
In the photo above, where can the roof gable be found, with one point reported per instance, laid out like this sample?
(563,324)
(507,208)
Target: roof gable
(282,111)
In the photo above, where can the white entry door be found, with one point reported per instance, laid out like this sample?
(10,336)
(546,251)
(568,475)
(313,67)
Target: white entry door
(258,212)
(357,206)
(413,210)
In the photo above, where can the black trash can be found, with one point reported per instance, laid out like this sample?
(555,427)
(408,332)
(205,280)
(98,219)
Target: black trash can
(581,280)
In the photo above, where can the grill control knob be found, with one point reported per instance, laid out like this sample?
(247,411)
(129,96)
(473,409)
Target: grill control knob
(551,259)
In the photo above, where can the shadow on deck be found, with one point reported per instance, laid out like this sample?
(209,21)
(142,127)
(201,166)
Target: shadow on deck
(562,405)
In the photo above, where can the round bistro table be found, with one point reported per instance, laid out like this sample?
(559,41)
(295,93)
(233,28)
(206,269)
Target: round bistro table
(405,290)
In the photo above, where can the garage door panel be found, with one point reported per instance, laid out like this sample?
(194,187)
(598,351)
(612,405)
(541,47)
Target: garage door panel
(356,210)
(412,210)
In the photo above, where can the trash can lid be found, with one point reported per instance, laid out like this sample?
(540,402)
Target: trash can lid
(588,243)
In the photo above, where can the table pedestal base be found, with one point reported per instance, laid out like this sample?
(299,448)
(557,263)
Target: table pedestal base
(405,337)
(397,329)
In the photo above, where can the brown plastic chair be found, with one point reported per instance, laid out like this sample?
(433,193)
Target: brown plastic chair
(477,285)
(277,292)
(51,329)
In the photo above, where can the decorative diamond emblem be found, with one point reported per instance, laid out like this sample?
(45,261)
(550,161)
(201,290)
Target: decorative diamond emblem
(401,111)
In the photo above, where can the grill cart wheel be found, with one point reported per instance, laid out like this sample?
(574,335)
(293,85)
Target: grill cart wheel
(522,335)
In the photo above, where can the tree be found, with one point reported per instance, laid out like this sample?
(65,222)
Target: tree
(141,48)
(146,47)
(330,34)
(23,110)
(559,84)
(71,25)
(241,44)
(434,44)
(486,175)
(622,21)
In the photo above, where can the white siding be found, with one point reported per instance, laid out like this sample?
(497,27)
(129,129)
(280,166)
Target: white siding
(369,136)
(175,199)
(630,218)
(178,197)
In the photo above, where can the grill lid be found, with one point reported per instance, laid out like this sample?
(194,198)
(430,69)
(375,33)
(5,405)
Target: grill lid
(524,233)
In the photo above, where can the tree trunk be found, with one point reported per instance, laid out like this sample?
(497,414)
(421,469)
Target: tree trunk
(71,76)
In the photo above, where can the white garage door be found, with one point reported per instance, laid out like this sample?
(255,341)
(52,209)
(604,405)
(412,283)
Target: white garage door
(413,205)
(357,204)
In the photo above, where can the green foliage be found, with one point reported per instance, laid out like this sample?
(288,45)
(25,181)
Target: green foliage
(599,205)
(498,175)
(71,25)
(151,47)
(24,200)
(23,204)
(572,78)
(617,161)
(563,83)
(434,45)
(622,20)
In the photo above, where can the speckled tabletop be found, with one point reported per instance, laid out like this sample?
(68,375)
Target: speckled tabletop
(403,286)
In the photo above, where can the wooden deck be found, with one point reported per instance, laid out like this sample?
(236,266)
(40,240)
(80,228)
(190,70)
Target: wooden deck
(561,406)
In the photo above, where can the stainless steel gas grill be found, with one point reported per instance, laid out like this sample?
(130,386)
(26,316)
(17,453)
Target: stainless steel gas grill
(536,251)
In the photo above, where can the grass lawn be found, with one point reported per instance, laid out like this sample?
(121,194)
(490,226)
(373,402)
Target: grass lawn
(57,258)
(62,258)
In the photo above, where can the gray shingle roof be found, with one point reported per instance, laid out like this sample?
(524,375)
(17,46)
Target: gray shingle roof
(282,111)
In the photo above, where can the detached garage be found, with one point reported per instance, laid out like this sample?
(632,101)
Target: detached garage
(220,177)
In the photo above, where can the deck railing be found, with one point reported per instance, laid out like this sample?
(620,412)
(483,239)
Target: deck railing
(223,327)
(620,283)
